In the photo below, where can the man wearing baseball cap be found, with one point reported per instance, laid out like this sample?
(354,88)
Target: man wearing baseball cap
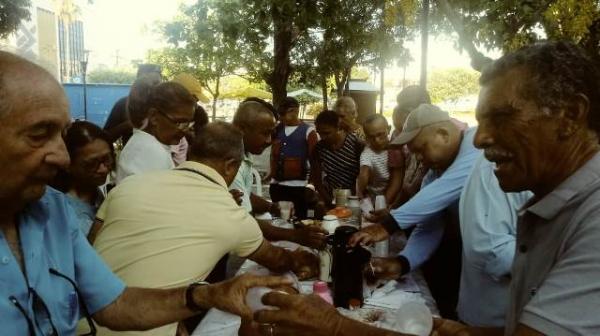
(449,154)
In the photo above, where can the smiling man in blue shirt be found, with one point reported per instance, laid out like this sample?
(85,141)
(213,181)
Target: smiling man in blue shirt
(49,275)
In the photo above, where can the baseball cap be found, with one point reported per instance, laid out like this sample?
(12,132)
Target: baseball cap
(424,115)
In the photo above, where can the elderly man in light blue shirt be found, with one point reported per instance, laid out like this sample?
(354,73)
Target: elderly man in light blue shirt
(50,276)
(488,225)
(449,154)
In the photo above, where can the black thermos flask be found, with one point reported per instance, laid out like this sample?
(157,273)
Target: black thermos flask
(347,268)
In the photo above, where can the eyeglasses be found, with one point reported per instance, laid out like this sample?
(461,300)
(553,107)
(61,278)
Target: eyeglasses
(40,306)
(181,125)
(93,165)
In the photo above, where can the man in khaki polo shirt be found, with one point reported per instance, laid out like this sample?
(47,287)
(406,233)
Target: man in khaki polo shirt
(167,229)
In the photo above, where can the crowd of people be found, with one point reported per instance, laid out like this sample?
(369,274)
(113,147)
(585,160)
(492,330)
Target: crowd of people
(500,217)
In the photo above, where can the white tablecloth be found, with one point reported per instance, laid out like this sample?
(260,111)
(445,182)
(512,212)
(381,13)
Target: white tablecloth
(392,295)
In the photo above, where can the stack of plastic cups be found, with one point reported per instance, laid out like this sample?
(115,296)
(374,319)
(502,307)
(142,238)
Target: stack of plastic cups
(381,248)
(330,223)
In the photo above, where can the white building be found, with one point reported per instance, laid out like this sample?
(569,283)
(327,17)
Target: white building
(53,37)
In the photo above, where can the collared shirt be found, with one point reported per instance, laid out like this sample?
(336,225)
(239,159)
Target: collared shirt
(244,180)
(176,233)
(438,193)
(555,285)
(488,225)
(51,238)
(143,153)
(86,213)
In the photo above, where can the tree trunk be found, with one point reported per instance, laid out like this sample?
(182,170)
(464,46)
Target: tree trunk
(215,98)
(591,42)
(282,41)
(478,60)
(424,43)
(341,81)
(382,88)
(324,91)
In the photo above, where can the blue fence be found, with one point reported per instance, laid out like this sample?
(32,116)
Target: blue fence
(100,100)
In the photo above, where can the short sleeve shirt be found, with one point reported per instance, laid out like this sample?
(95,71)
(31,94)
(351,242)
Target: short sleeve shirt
(341,166)
(244,179)
(379,166)
(555,286)
(176,233)
(143,153)
(51,239)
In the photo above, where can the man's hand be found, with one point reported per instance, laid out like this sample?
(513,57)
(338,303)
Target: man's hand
(304,264)
(383,269)
(237,196)
(369,235)
(376,216)
(311,236)
(297,315)
(230,295)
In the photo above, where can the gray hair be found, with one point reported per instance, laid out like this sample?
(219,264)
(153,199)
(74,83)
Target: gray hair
(218,141)
(345,101)
(247,112)
(556,73)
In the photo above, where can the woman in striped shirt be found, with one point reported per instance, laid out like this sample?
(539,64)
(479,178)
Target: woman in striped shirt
(336,159)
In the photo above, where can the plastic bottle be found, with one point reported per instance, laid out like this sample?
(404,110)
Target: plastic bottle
(325,263)
(381,248)
(354,206)
(320,288)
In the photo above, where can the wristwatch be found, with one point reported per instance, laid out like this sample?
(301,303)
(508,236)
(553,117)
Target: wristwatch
(189,295)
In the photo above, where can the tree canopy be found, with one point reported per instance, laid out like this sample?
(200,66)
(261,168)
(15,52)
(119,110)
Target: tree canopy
(307,42)
(509,25)
(12,12)
(452,84)
(112,76)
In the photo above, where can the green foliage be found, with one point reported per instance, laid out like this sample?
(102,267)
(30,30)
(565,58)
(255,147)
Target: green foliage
(360,73)
(11,14)
(313,110)
(452,84)
(111,76)
(285,42)
(198,46)
(351,33)
(508,25)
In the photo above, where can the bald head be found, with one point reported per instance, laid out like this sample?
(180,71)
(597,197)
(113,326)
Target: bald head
(345,103)
(257,123)
(20,78)
(33,116)
(249,112)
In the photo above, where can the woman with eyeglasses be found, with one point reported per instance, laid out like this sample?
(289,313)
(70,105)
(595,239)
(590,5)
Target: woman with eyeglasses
(161,115)
(92,159)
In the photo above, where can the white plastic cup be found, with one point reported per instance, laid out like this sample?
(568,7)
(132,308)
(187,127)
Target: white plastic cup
(413,318)
(380,202)
(330,223)
(382,249)
(285,208)
(254,298)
